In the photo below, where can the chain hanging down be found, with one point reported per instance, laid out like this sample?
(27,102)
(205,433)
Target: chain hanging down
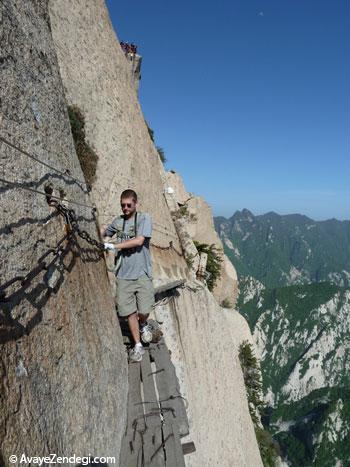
(71,220)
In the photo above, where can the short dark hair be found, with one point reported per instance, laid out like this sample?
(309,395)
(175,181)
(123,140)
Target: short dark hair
(129,194)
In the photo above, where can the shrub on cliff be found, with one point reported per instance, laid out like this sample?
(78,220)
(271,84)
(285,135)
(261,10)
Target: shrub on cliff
(213,262)
(86,155)
(150,132)
(161,154)
(160,150)
(184,212)
(253,384)
(226,303)
(252,379)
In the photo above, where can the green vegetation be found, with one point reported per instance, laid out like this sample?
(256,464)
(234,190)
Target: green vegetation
(160,150)
(313,418)
(161,154)
(252,380)
(269,448)
(150,132)
(280,250)
(253,384)
(213,262)
(291,320)
(301,307)
(184,212)
(87,157)
(189,260)
(290,317)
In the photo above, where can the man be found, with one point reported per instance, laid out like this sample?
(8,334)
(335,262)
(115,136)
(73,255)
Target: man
(135,293)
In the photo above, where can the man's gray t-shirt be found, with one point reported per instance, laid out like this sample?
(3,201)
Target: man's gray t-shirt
(134,261)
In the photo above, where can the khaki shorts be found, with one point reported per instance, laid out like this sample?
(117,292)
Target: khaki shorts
(135,295)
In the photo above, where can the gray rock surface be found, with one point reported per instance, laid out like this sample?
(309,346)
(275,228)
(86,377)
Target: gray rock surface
(96,78)
(204,340)
(62,366)
(200,226)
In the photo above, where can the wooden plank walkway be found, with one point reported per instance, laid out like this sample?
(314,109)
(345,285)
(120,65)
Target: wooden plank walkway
(157,416)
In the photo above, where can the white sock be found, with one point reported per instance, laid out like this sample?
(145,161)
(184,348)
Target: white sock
(138,344)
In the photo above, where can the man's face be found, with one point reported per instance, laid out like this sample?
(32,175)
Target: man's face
(128,206)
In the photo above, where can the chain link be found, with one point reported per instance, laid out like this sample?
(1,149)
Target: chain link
(71,220)
(170,247)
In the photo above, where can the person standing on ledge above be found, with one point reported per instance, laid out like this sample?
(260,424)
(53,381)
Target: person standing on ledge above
(134,287)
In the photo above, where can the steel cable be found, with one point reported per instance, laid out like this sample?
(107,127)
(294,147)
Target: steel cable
(36,159)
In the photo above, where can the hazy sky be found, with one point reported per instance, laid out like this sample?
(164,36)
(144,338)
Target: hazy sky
(249,99)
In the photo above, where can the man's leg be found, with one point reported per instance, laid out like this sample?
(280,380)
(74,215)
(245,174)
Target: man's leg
(143,318)
(145,302)
(127,305)
(134,327)
(135,354)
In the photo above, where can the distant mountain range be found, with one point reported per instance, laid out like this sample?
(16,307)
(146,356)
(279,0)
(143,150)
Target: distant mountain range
(281,250)
(294,280)
(302,336)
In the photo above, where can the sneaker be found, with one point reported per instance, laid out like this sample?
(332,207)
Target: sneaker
(146,333)
(136,353)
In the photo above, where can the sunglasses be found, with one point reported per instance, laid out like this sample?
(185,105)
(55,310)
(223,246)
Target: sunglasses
(126,205)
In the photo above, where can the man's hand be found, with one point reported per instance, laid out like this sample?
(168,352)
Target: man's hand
(109,246)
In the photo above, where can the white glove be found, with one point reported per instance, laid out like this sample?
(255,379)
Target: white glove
(109,246)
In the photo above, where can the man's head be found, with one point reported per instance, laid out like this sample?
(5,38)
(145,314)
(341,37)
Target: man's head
(128,202)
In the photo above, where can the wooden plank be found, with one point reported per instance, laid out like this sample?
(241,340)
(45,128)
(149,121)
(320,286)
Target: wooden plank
(179,455)
(169,286)
(131,452)
(145,446)
(152,450)
(170,386)
(188,448)
(173,448)
(168,431)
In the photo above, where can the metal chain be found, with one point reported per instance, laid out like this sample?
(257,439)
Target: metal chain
(170,247)
(71,219)
(46,194)
(160,247)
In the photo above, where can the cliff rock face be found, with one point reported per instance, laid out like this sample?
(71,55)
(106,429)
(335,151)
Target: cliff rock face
(62,365)
(96,79)
(204,341)
(200,226)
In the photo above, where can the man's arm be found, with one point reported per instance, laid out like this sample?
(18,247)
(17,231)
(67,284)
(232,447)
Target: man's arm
(137,241)
(144,230)
(110,230)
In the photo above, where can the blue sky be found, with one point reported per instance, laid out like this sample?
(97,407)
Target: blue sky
(249,99)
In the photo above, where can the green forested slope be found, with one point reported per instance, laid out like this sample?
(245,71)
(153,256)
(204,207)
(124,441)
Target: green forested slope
(294,276)
(283,250)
